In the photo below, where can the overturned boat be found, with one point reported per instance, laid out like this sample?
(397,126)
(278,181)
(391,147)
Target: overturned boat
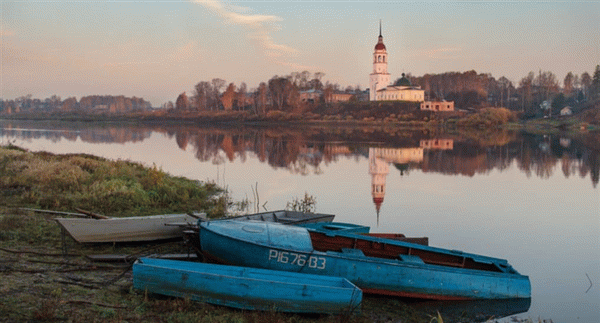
(376,265)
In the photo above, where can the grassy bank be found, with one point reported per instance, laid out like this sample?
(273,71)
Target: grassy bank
(46,277)
(114,188)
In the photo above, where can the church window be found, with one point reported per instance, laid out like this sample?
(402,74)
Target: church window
(379,58)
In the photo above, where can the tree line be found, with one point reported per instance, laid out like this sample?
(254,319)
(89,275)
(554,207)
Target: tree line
(281,93)
(87,104)
(469,90)
(304,92)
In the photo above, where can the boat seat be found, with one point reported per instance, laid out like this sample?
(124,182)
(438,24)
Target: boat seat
(411,258)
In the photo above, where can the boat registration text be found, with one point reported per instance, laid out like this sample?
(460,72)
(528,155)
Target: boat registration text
(301,260)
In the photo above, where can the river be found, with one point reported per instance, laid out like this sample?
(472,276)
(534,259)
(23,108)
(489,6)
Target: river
(531,199)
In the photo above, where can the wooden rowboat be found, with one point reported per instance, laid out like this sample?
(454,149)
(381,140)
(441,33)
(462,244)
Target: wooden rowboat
(285,217)
(100,228)
(246,288)
(126,229)
(376,265)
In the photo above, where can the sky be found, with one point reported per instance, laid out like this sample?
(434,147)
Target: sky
(157,49)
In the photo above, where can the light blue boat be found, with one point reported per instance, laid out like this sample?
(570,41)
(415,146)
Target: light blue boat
(336,227)
(247,288)
(376,265)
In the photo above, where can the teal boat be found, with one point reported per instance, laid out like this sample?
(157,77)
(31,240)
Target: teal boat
(247,288)
(336,227)
(376,265)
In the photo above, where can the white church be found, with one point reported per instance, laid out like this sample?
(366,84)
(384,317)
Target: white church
(380,85)
(381,89)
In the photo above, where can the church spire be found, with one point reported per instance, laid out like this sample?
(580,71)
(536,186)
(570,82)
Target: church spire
(380,28)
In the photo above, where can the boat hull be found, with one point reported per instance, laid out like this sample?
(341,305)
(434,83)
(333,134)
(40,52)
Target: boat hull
(284,248)
(127,229)
(247,288)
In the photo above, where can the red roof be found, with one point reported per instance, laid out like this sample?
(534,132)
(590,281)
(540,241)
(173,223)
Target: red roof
(379,46)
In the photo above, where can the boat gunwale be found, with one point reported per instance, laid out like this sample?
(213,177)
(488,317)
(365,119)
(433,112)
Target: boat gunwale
(324,278)
(391,262)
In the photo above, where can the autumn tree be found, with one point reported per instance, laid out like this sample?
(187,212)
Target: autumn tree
(229,97)
(182,103)
(69,104)
(328,93)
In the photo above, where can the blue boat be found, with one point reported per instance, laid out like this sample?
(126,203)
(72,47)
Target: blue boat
(247,288)
(376,265)
(336,227)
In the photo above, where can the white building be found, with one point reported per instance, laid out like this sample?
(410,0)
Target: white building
(380,78)
(379,83)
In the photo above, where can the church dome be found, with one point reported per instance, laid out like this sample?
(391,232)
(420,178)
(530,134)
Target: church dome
(403,81)
(380,45)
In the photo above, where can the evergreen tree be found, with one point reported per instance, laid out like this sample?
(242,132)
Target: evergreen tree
(595,87)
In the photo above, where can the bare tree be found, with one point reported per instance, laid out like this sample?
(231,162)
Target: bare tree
(586,83)
(202,96)
(526,91)
(217,85)
(262,96)
(277,87)
(241,97)
(568,84)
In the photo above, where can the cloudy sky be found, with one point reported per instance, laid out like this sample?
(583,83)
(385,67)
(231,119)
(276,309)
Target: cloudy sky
(156,49)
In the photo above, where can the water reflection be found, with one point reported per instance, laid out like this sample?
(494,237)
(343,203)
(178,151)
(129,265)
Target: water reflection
(449,188)
(303,151)
(476,311)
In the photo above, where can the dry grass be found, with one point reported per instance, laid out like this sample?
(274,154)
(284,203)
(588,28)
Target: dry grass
(115,188)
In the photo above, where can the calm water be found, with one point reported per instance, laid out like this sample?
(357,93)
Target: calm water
(533,200)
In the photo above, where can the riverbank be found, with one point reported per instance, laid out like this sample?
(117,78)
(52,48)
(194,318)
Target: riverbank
(487,118)
(48,277)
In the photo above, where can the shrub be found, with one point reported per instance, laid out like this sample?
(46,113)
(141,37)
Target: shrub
(488,117)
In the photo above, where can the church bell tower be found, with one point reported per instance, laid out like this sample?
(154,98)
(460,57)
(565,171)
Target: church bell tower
(379,78)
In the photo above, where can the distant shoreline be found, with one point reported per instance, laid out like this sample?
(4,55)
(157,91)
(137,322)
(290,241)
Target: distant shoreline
(566,123)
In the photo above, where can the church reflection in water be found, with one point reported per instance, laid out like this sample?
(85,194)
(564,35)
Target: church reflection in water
(380,159)
(306,151)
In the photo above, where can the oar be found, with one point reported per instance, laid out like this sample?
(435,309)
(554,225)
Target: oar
(81,215)
(93,215)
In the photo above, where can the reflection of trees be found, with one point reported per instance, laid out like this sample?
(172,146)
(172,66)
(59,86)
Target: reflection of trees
(304,150)
(56,132)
